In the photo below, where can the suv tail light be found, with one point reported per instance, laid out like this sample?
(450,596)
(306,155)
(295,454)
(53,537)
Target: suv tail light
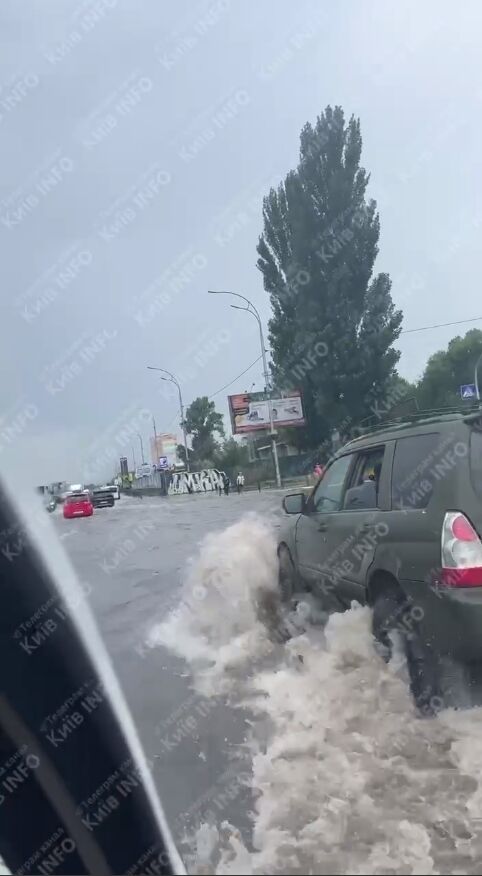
(461,552)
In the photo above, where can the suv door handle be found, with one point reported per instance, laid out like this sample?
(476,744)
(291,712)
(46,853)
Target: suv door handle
(366,527)
(322,527)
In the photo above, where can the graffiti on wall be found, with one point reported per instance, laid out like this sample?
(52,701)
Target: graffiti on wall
(196,481)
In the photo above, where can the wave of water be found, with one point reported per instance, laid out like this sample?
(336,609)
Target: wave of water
(350,778)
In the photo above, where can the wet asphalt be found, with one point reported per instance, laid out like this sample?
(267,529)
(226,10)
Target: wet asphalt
(134,557)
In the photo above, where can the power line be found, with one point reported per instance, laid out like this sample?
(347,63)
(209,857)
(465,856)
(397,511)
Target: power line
(425,328)
(223,387)
(422,328)
(235,378)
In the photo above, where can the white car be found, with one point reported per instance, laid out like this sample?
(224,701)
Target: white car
(113,488)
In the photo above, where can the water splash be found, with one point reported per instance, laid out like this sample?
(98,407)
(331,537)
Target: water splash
(349,778)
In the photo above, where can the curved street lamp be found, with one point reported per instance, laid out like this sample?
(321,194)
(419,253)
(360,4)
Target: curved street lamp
(142,447)
(171,379)
(250,308)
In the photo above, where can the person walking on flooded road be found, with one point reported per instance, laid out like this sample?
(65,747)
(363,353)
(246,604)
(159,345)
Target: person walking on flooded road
(240,482)
(227,484)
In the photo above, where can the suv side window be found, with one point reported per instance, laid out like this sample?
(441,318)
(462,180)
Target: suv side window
(363,490)
(412,482)
(328,494)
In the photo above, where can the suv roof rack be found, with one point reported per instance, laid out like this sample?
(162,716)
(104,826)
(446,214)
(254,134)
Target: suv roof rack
(469,412)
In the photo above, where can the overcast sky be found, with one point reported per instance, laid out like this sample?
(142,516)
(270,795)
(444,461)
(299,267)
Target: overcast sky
(138,139)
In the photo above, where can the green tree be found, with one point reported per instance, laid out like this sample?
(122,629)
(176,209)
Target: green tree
(181,453)
(202,422)
(447,370)
(231,456)
(333,323)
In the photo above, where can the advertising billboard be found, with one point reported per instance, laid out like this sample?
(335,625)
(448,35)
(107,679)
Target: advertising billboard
(164,445)
(250,412)
(169,448)
(143,470)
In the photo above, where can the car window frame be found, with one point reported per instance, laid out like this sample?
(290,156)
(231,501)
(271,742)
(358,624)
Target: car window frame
(475,478)
(361,455)
(396,507)
(310,504)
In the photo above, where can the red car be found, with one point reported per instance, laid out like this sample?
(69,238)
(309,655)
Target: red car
(78,505)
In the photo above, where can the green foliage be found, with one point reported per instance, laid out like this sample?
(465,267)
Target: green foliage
(231,456)
(202,422)
(333,323)
(447,370)
(181,453)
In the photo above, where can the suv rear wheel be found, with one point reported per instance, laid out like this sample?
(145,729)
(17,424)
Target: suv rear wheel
(436,682)
(286,574)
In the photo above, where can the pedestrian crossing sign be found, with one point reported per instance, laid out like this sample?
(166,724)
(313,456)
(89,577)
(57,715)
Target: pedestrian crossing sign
(468,391)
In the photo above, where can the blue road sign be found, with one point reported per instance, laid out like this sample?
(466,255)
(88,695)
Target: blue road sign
(468,391)
(163,462)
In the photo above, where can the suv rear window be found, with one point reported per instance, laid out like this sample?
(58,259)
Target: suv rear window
(412,484)
(420,462)
(476,460)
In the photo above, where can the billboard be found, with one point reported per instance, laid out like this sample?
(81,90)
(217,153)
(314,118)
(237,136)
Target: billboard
(143,470)
(250,412)
(164,445)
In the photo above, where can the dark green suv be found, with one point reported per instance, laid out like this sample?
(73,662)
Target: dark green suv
(396,522)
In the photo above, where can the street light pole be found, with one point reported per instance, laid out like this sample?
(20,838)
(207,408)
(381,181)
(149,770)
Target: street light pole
(142,447)
(250,308)
(133,457)
(154,454)
(172,379)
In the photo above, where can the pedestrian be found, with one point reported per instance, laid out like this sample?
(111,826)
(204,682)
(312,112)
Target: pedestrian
(259,486)
(240,481)
(318,471)
(227,484)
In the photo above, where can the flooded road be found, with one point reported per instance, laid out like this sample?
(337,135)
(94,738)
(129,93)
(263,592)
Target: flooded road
(271,756)
(134,557)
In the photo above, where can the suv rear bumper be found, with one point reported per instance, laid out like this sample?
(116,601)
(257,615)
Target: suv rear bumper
(449,618)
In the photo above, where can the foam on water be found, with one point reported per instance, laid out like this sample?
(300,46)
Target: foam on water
(351,779)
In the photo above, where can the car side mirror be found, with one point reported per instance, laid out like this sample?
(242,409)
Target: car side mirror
(294,503)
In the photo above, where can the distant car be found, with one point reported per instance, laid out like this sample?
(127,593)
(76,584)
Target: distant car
(78,505)
(103,499)
(113,488)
